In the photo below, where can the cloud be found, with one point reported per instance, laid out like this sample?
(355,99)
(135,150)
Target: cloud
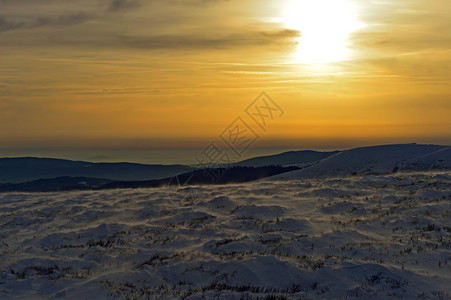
(408,27)
(174,42)
(48,13)
(119,5)
(63,20)
(6,25)
(107,35)
(280,37)
(196,2)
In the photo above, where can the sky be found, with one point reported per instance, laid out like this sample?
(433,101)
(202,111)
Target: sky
(104,76)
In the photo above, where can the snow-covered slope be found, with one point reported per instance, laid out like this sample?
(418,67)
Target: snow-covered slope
(286,158)
(438,160)
(374,160)
(361,237)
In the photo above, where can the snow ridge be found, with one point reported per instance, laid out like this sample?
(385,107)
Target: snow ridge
(377,160)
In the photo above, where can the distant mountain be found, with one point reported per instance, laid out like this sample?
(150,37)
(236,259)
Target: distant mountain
(377,160)
(286,158)
(54,184)
(23,169)
(43,174)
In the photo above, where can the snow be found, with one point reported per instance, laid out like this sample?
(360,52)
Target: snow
(342,237)
(377,160)
(440,159)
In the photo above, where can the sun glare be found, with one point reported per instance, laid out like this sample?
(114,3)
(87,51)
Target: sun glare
(325,26)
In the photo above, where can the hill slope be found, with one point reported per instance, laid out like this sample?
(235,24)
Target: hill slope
(286,158)
(438,160)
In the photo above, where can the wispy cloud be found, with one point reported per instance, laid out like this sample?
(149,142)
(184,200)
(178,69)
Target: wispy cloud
(26,14)
(281,38)
(119,5)
(63,20)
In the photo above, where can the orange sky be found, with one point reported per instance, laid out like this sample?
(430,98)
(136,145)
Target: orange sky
(126,73)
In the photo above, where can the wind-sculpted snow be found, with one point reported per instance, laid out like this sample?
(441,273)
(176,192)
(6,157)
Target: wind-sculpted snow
(361,237)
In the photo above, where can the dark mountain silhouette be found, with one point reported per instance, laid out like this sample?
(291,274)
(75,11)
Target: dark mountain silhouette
(23,169)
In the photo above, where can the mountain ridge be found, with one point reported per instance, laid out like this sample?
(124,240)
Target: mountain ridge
(287,158)
(381,159)
(23,169)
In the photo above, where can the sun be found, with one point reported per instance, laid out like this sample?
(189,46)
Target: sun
(325,27)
